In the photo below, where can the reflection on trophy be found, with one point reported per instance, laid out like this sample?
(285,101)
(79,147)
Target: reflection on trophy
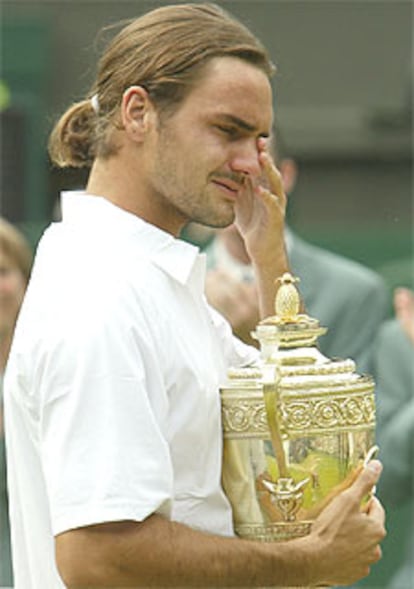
(298,426)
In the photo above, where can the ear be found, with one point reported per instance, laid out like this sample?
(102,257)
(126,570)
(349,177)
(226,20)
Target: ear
(137,112)
(289,171)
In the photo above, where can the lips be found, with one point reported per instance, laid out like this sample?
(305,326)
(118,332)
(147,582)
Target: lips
(228,185)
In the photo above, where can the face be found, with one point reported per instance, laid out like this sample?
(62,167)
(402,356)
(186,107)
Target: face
(12,288)
(205,152)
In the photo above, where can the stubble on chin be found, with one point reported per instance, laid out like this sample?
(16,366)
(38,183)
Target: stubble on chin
(218,217)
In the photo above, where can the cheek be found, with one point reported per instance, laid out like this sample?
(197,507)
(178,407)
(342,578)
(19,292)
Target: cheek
(202,163)
(185,167)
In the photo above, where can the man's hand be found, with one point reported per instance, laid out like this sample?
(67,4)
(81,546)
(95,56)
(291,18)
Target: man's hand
(260,212)
(260,217)
(346,536)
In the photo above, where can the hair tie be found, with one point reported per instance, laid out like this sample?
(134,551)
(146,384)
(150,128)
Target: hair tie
(95,103)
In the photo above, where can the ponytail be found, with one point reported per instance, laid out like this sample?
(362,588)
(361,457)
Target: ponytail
(72,141)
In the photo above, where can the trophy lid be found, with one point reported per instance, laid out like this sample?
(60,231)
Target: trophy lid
(288,342)
(288,328)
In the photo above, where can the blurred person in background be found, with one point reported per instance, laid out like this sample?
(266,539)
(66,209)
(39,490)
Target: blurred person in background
(393,368)
(346,297)
(15,265)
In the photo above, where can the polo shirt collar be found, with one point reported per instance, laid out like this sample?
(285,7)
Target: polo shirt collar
(180,260)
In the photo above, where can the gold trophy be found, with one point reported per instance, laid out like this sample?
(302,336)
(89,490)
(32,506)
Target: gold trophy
(297,426)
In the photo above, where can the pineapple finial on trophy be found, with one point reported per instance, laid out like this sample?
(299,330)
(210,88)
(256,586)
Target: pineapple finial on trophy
(289,327)
(287,302)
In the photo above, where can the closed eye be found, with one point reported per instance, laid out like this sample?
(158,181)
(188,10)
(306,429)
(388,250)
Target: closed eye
(232,132)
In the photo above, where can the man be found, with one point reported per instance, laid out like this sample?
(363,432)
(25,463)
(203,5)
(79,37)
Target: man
(117,359)
(393,368)
(346,297)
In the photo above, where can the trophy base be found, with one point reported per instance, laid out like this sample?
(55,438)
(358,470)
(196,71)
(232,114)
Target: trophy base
(273,532)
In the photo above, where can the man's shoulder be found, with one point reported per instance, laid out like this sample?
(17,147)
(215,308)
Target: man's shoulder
(78,283)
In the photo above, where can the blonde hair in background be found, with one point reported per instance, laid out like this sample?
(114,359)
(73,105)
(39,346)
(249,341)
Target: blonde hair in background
(163,51)
(15,246)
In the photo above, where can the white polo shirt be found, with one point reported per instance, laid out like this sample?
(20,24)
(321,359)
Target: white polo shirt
(111,392)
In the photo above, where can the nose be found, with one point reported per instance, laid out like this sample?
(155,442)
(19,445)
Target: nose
(245,159)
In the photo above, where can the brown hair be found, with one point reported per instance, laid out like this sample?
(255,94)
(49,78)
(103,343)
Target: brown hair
(162,51)
(16,247)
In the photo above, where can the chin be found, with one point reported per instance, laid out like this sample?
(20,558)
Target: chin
(217,224)
(218,221)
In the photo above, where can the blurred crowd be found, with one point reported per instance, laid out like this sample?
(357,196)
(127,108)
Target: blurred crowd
(15,266)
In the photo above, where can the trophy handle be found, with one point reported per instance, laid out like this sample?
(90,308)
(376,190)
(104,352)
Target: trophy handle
(271,396)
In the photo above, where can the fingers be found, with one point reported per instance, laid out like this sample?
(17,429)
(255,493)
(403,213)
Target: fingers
(272,173)
(366,480)
(274,186)
(267,195)
(376,511)
(273,176)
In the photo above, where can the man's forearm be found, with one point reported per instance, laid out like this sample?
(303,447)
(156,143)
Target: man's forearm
(160,553)
(341,547)
(266,275)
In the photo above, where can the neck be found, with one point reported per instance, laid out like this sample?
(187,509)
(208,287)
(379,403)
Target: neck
(112,179)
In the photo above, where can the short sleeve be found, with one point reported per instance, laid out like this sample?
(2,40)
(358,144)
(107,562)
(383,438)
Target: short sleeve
(104,454)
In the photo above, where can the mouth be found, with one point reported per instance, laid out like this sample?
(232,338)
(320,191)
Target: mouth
(229,187)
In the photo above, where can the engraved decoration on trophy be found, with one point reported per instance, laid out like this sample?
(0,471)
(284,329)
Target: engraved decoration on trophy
(297,426)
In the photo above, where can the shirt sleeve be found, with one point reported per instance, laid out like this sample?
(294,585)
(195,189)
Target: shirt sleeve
(104,454)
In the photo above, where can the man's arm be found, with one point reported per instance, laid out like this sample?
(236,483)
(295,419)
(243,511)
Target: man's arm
(260,218)
(158,553)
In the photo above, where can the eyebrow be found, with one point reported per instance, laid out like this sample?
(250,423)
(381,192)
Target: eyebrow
(240,123)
